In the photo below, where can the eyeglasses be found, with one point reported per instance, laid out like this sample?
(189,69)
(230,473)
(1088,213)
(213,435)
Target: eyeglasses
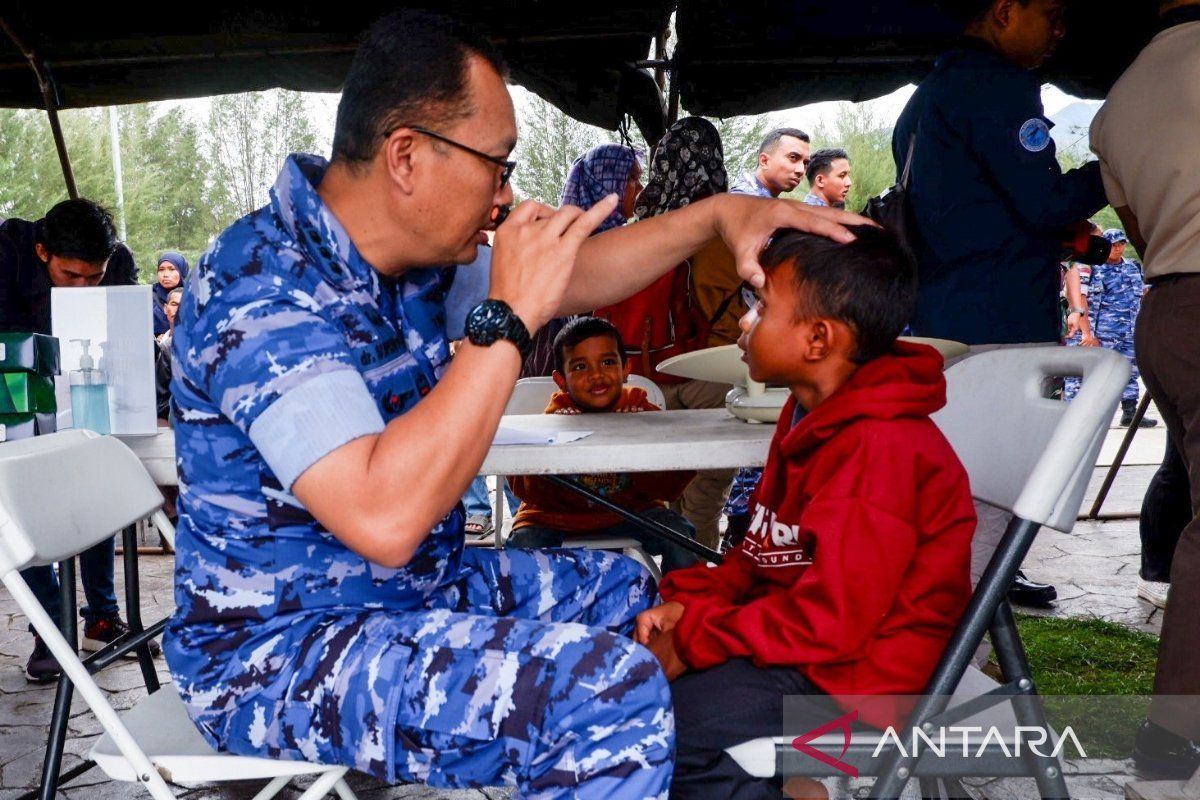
(506,167)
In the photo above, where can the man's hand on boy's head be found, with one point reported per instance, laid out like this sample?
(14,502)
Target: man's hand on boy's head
(656,621)
(746,224)
(663,648)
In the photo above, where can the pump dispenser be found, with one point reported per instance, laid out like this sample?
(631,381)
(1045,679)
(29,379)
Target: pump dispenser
(89,393)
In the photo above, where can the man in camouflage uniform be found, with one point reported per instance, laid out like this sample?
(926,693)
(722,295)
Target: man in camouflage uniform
(327,609)
(1114,293)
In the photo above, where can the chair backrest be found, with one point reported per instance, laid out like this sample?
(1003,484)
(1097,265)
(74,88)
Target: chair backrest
(531,395)
(64,492)
(1027,453)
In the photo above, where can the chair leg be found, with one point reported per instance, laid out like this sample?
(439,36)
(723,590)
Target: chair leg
(74,672)
(133,607)
(344,791)
(498,513)
(165,528)
(56,741)
(273,788)
(1028,707)
(325,783)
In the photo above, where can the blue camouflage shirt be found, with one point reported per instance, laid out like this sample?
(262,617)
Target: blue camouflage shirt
(1114,293)
(288,345)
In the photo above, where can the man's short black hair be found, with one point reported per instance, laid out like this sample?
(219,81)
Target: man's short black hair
(579,329)
(869,284)
(410,69)
(822,162)
(771,140)
(78,229)
(968,12)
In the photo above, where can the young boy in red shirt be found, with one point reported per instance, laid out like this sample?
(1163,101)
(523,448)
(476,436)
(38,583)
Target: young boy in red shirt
(855,569)
(590,372)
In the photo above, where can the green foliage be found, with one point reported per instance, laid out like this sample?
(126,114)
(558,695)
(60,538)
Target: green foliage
(247,137)
(183,184)
(548,143)
(856,129)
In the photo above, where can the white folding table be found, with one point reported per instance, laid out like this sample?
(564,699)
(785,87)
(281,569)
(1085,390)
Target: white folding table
(641,442)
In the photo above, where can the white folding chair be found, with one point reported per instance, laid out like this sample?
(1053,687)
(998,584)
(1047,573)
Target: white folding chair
(1032,456)
(59,495)
(531,396)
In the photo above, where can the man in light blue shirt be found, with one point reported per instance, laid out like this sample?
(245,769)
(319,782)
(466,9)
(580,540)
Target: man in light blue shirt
(782,159)
(828,178)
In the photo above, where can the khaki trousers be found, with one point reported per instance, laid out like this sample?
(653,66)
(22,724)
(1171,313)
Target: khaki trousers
(1167,344)
(704,497)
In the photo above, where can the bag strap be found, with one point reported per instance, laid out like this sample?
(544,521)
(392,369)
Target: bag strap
(726,303)
(912,142)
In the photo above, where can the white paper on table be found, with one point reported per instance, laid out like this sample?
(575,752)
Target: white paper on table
(120,323)
(507,436)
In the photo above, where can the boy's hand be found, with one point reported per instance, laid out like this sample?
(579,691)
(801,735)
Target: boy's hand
(663,648)
(654,622)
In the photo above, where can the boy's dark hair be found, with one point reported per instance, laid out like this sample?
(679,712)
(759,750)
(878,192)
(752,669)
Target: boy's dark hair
(770,141)
(579,329)
(822,162)
(78,229)
(869,284)
(410,69)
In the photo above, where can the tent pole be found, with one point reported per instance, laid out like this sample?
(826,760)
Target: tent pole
(49,97)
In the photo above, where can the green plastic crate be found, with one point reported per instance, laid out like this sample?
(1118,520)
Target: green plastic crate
(29,352)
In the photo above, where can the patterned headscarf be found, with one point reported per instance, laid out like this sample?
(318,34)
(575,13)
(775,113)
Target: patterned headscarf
(688,165)
(597,173)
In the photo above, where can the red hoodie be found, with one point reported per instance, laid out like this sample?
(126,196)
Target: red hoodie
(856,567)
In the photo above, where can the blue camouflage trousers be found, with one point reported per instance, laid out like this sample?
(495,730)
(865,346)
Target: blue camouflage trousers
(572,707)
(517,671)
(1123,344)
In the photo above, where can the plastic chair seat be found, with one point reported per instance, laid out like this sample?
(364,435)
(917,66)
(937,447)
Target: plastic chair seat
(161,727)
(759,757)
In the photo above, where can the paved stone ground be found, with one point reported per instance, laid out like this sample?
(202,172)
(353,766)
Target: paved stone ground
(1094,567)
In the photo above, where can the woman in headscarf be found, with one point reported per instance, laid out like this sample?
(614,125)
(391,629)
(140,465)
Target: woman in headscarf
(688,165)
(684,310)
(172,272)
(601,171)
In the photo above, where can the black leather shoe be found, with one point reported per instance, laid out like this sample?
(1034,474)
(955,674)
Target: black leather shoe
(1161,754)
(1025,592)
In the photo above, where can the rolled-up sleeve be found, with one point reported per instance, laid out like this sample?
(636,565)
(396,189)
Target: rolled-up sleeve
(284,375)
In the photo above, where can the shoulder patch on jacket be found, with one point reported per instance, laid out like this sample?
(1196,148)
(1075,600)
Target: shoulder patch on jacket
(1034,135)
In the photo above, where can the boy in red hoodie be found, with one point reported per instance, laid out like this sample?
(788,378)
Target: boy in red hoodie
(855,569)
(590,372)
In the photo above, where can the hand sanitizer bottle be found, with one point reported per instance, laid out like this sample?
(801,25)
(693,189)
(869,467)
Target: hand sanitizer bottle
(89,393)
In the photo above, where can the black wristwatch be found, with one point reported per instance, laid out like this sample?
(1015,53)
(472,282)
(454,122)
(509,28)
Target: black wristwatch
(493,320)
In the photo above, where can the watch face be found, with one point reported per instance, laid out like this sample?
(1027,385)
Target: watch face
(493,320)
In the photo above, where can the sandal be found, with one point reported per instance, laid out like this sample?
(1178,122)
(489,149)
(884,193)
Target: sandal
(478,527)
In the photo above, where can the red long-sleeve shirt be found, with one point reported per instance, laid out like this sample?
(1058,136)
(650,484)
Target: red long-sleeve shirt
(856,566)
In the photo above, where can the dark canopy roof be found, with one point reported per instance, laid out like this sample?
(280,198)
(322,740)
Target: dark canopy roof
(576,54)
(751,56)
(733,56)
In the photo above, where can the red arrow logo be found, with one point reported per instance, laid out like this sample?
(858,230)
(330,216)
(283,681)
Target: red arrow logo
(843,724)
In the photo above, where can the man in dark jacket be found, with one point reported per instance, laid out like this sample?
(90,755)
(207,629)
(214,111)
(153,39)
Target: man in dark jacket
(989,200)
(74,245)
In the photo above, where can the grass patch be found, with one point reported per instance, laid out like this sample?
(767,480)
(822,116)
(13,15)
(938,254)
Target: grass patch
(1076,662)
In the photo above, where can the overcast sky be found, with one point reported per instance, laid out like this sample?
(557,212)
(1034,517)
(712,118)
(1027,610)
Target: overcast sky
(323,109)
